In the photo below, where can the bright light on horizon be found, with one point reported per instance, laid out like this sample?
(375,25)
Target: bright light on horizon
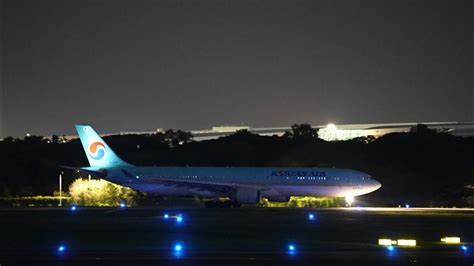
(331,127)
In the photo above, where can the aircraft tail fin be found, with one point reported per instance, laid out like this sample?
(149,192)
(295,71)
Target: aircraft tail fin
(97,151)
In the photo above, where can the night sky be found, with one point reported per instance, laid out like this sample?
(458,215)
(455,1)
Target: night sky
(187,64)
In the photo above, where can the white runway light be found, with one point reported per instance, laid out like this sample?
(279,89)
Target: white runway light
(400,242)
(385,242)
(451,240)
(406,242)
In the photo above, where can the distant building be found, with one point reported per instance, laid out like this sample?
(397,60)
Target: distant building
(333,132)
(330,132)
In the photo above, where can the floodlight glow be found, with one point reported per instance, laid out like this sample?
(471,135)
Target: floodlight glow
(331,127)
(451,240)
(406,242)
(349,200)
(385,242)
(73,208)
(311,216)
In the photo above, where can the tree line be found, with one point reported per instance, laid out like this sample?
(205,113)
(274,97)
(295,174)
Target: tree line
(423,166)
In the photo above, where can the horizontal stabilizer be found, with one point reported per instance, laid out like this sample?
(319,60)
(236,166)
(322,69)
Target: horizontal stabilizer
(96,172)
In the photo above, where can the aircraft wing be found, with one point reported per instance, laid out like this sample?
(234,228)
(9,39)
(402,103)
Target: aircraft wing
(223,187)
(206,185)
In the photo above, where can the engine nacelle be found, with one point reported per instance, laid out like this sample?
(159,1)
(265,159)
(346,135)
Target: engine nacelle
(278,198)
(246,196)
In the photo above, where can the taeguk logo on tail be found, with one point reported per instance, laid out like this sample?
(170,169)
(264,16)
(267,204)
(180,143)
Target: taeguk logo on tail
(97,150)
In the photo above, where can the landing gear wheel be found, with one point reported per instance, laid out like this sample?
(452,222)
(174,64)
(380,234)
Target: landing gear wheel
(222,204)
(236,205)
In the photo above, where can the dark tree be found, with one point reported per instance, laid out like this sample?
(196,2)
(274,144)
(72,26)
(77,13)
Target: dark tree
(55,139)
(9,140)
(304,131)
(183,137)
(175,138)
(422,129)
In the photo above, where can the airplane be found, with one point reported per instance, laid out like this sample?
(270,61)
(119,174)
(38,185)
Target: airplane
(243,185)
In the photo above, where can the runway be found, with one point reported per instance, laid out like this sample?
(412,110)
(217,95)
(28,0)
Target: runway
(337,236)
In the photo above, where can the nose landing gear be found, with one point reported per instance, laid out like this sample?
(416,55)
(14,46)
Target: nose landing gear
(349,200)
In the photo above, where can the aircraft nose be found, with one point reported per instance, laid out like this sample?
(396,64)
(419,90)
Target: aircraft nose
(376,185)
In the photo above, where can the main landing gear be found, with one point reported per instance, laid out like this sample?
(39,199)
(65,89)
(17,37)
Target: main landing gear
(222,204)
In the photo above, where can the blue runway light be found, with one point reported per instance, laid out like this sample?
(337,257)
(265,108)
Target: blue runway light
(311,216)
(61,248)
(179,219)
(178,249)
(166,216)
(391,251)
(407,206)
(122,205)
(73,208)
(291,249)
(464,248)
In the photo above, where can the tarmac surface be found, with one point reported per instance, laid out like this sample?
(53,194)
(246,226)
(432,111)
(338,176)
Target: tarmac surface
(242,236)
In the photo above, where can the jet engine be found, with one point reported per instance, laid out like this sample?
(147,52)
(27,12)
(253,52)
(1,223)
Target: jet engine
(278,198)
(246,196)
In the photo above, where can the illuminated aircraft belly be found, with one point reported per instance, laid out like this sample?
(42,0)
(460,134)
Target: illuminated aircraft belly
(319,190)
(168,190)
